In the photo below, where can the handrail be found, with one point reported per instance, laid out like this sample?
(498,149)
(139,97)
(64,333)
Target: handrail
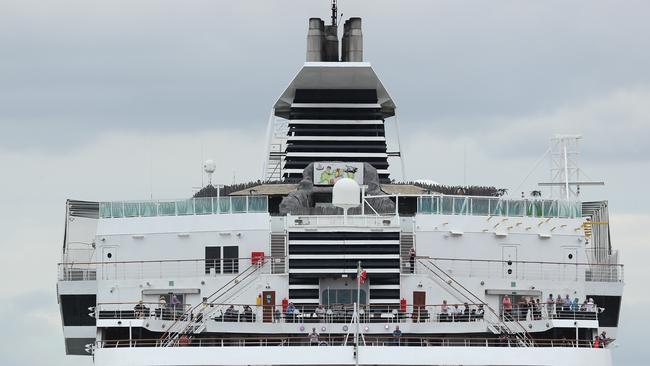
(438,204)
(338,341)
(524,270)
(524,337)
(146,269)
(181,207)
(170,335)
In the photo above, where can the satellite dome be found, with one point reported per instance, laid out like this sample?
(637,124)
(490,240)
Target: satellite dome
(209,166)
(346,193)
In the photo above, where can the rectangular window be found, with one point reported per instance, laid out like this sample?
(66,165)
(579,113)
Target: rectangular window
(230,259)
(212,259)
(75,310)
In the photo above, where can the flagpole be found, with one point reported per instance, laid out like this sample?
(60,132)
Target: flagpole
(356,334)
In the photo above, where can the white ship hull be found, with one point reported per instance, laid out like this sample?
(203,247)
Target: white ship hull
(339,355)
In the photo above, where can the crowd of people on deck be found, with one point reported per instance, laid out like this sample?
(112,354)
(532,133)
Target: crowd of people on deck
(553,307)
(455,313)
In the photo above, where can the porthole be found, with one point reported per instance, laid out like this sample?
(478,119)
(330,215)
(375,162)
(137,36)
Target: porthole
(109,255)
(570,256)
(509,271)
(510,263)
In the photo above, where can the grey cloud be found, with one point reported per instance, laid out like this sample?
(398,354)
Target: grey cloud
(79,68)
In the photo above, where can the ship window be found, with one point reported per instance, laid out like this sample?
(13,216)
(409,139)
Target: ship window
(230,259)
(168,298)
(212,259)
(75,310)
(342,296)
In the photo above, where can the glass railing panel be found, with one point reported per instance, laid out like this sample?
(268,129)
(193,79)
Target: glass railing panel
(497,207)
(257,204)
(224,204)
(549,208)
(105,210)
(185,207)
(148,209)
(238,204)
(203,206)
(516,208)
(461,205)
(131,209)
(167,208)
(534,208)
(447,205)
(117,209)
(424,204)
(481,206)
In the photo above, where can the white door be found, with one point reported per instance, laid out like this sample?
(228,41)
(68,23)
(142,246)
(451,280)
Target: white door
(109,267)
(509,257)
(570,264)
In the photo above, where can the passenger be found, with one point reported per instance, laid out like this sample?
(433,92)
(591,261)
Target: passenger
(591,307)
(583,307)
(597,342)
(480,312)
(537,313)
(230,314)
(466,312)
(313,337)
(248,314)
(139,310)
(456,313)
(397,334)
(176,303)
(567,303)
(412,259)
(291,312)
(507,308)
(575,305)
(603,339)
(522,307)
(444,311)
(184,341)
(162,307)
(559,302)
(320,312)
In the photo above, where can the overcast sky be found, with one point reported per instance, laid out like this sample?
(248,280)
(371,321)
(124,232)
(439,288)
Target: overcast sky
(119,99)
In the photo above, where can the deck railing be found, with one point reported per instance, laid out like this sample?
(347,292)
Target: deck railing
(339,313)
(497,206)
(130,270)
(328,340)
(519,270)
(192,206)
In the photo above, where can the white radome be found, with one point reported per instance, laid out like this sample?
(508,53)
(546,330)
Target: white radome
(346,193)
(209,166)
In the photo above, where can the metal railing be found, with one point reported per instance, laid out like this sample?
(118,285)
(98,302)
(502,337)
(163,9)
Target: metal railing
(144,310)
(340,313)
(129,270)
(519,270)
(328,340)
(192,206)
(497,206)
(544,311)
(341,220)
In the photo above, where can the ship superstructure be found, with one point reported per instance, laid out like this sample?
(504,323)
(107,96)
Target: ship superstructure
(277,273)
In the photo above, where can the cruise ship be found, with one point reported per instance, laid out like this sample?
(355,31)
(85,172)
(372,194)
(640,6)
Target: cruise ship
(329,260)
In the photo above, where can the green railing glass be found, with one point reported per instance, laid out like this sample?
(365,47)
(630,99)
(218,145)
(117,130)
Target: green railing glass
(193,206)
(486,206)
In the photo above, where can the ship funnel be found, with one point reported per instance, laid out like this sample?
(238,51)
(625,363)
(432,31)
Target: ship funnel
(323,41)
(315,38)
(352,43)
